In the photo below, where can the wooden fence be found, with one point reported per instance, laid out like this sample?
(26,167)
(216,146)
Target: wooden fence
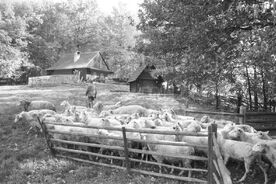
(51,80)
(87,152)
(263,121)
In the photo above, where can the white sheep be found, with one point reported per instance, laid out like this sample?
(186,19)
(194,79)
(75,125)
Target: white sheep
(247,128)
(112,107)
(71,109)
(240,151)
(31,117)
(141,123)
(167,150)
(129,109)
(37,105)
(206,121)
(253,138)
(116,142)
(267,150)
(123,118)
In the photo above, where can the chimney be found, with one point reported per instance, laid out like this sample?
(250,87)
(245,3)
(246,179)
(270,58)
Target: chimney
(76,56)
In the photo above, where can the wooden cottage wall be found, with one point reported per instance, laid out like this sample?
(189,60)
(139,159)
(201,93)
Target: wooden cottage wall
(62,72)
(133,87)
(149,86)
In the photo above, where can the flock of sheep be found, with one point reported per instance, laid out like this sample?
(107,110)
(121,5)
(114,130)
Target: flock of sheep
(239,142)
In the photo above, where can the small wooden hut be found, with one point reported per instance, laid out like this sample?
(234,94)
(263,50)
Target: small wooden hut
(145,80)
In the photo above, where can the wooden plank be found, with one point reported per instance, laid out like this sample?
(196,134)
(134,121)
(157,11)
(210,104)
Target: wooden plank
(90,162)
(86,135)
(214,113)
(169,176)
(259,126)
(260,113)
(169,166)
(87,153)
(89,144)
(127,162)
(46,136)
(261,121)
(222,168)
(169,143)
(136,140)
(129,149)
(211,168)
(167,155)
(144,130)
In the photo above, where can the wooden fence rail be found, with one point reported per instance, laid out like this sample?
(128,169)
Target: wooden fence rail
(150,131)
(79,148)
(264,121)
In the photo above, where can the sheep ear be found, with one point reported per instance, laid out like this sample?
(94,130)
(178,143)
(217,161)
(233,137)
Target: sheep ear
(267,132)
(105,120)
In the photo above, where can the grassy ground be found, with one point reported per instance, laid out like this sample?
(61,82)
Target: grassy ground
(25,158)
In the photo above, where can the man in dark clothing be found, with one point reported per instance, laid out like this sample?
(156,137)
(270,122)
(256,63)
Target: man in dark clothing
(91,93)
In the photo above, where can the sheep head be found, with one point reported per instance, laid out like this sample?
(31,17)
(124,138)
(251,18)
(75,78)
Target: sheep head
(84,117)
(194,127)
(105,122)
(205,119)
(261,147)
(64,103)
(77,117)
(236,134)
(135,116)
(25,104)
(158,122)
(18,117)
(102,132)
(263,135)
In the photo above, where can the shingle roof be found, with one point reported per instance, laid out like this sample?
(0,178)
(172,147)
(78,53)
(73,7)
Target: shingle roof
(137,73)
(92,60)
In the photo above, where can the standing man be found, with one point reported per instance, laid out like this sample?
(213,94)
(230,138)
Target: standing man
(91,93)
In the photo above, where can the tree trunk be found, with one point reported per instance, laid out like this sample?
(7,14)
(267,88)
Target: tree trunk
(217,96)
(264,90)
(255,90)
(249,88)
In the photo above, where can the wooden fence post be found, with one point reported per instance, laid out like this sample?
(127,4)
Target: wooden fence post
(47,137)
(211,168)
(127,162)
(242,120)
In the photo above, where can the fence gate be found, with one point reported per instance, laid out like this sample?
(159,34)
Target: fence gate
(83,146)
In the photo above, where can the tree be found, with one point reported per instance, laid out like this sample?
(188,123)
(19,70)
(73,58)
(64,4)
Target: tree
(13,41)
(202,40)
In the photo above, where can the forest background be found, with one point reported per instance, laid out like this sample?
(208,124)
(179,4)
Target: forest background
(213,49)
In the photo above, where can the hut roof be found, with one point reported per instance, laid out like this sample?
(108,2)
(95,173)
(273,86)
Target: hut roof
(140,70)
(92,60)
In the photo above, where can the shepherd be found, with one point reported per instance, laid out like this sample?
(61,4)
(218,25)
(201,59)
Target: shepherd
(91,93)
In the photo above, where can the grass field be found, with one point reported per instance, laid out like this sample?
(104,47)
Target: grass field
(25,158)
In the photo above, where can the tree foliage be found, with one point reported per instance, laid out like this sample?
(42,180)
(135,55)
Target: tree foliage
(40,32)
(212,43)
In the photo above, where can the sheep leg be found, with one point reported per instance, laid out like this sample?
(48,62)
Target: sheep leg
(265,174)
(172,170)
(246,166)
(143,155)
(29,130)
(111,162)
(226,158)
(100,152)
(186,163)
(160,169)
(264,171)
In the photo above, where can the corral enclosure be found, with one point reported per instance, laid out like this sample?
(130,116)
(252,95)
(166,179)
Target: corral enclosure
(75,94)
